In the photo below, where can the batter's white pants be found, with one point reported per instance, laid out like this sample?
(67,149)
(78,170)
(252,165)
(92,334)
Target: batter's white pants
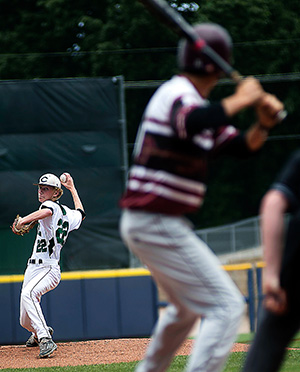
(38,280)
(196,286)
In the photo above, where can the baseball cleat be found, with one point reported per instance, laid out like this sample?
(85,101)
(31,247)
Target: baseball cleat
(47,346)
(33,341)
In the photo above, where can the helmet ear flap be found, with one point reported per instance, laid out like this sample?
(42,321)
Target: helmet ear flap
(198,64)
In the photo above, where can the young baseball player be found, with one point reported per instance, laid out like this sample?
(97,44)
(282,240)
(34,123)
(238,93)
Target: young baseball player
(279,320)
(55,221)
(179,133)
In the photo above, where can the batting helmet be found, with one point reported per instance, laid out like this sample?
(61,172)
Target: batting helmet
(216,37)
(50,179)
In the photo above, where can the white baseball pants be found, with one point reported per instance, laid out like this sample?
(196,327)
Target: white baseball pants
(196,286)
(38,280)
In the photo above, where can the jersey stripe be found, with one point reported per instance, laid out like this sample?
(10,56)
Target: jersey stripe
(155,128)
(166,192)
(166,178)
(226,134)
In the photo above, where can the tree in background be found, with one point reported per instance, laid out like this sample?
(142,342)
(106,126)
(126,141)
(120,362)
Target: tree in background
(60,38)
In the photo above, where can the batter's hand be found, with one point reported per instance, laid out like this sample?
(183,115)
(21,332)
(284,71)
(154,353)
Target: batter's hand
(250,91)
(267,110)
(275,298)
(247,93)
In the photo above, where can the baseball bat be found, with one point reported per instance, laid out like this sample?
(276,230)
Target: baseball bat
(171,18)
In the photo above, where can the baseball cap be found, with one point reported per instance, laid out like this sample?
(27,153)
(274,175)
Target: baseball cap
(49,179)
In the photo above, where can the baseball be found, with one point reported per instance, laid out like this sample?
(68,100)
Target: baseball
(63,178)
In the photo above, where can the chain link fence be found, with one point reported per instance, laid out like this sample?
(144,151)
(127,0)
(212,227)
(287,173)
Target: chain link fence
(225,239)
(232,238)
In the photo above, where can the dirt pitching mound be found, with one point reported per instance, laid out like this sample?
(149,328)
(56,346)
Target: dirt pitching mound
(86,353)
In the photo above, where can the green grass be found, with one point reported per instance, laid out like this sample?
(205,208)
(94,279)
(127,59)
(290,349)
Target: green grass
(246,338)
(234,362)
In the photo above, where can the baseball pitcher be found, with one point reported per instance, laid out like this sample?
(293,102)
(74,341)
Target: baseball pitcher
(54,223)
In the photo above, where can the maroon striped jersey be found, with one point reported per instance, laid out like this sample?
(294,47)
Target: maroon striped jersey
(168,174)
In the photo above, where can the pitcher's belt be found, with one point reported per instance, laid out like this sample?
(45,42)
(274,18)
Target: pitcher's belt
(39,261)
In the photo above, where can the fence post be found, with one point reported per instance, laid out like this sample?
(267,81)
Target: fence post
(251,299)
(259,274)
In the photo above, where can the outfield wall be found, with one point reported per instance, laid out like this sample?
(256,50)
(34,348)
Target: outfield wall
(86,305)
